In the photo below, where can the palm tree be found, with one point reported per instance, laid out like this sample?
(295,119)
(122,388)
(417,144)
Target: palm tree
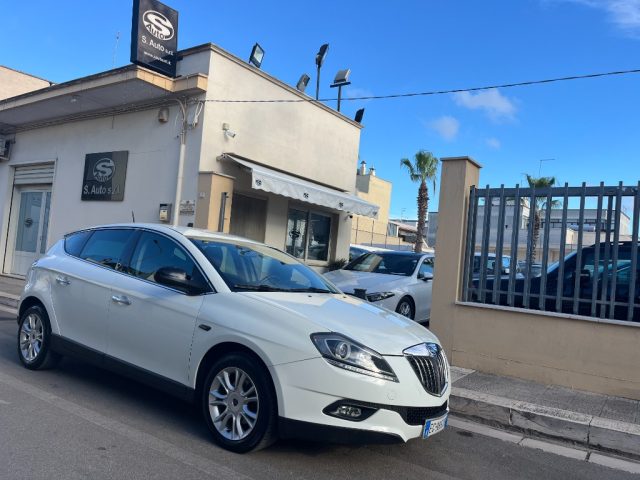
(540,204)
(423,169)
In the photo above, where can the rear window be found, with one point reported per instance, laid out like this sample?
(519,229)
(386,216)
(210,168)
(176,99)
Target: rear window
(106,247)
(74,242)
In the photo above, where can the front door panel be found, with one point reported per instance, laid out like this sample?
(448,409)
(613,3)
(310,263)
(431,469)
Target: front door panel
(31,225)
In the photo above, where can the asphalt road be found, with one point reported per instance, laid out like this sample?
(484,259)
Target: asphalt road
(79,422)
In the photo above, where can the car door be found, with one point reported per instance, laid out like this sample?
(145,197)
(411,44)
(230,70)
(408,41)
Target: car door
(81,284)
(423,288)
(151,325)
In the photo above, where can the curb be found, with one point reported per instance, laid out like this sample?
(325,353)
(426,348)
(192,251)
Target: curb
(9,300)
(587,430)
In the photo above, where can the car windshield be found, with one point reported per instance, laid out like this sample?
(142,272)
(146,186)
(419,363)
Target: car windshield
(247,266)
(389,263)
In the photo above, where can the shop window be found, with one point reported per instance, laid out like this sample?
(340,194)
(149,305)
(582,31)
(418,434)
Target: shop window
(308,235)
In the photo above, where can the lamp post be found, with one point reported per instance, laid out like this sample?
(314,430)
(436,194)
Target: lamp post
(341,80)
(320,56)
(257,54)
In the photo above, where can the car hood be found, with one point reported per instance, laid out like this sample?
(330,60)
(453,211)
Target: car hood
(348,280)
(382,330)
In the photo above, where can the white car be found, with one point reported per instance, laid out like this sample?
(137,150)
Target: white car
(397,281)
(265,345)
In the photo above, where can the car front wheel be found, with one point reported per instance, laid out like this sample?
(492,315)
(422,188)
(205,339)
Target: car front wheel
(239,404)
(34,340)
(405,307)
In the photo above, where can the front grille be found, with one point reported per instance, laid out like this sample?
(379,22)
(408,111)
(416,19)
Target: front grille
(431,369)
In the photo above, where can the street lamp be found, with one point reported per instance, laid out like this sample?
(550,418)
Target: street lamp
(320,56)
(341,80)
(303,82)
(257,54)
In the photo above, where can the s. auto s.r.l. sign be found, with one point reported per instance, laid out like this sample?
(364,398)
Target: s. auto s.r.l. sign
(154,36)
(104,176)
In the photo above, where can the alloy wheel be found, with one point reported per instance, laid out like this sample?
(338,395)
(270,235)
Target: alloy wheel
(31,337)
(404,309)
(233,403)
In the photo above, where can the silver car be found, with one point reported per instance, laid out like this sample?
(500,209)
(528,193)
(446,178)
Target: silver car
(398,281)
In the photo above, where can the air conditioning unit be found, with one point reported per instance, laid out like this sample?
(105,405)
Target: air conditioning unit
(5,148)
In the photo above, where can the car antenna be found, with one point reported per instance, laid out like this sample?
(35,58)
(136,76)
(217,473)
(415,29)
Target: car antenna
(133,216)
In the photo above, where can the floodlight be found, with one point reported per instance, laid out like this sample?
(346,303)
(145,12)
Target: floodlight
(303,82)
(320,56)
(359,115)
(341,80)
(342,77)
(257,54)
(322,53)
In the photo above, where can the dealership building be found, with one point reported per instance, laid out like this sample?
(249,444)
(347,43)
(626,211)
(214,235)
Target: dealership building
(134,144)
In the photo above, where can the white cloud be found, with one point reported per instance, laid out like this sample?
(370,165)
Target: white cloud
(493,143)
(447,126)
(624,14)
(357,92)
(492,102)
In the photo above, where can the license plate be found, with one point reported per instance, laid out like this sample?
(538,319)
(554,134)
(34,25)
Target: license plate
(433,426)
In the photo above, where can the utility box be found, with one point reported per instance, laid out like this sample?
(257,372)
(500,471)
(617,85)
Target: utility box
(164,215)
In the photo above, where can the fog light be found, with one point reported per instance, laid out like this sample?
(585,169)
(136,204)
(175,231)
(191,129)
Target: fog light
(347,411)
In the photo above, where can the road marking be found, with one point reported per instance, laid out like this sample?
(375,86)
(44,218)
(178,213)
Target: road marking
(203,464)
(2,402)
(554,448)
(617,463)
(549,447)
(4,308)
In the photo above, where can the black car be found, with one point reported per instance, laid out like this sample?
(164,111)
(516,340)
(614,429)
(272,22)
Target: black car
(592,279)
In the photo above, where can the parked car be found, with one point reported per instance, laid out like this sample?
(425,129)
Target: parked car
(588,272)
(493,266)
(535,270)
(264,344)
(398,281)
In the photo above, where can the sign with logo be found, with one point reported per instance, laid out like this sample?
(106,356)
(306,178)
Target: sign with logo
(104,176)
(154,36)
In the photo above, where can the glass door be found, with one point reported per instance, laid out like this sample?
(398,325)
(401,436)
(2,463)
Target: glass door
(31,226)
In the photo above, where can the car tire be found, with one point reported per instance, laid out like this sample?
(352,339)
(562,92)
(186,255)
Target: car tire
(242,418)
(34,340)
(406,308)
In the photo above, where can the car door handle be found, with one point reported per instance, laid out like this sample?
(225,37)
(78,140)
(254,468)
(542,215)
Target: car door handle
(60,280)
(121,299)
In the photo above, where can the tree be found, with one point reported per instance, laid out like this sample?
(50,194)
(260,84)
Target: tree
(540,204)
(423,169)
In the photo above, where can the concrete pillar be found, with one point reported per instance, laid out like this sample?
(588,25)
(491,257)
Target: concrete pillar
(458,175)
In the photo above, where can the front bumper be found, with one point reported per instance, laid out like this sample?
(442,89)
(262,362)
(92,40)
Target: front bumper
(305,389)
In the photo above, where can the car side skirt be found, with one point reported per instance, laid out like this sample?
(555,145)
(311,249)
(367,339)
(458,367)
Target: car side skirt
(70,348)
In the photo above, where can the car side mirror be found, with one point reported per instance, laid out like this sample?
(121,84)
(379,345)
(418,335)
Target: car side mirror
(178,279)
(425,277)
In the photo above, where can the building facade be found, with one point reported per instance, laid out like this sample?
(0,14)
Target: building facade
(131,144)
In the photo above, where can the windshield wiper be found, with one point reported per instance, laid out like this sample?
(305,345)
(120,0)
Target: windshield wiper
(261,288)
(310,290)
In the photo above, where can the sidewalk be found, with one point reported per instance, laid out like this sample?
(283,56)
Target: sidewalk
(10,290)
(587,419)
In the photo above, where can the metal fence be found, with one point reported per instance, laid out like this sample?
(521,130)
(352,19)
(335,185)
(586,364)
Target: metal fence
(598,279)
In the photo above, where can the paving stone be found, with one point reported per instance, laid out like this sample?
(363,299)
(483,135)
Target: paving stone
(614,435)
(551,421)
(617,463)
(553,448)
(507,387)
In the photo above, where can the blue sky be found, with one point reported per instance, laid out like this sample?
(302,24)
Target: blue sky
(590,127)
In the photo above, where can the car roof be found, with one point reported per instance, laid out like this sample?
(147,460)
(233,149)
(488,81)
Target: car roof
(188,232)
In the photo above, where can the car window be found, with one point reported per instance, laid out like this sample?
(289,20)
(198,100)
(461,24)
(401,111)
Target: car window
(74,242)
(252,266)
(106,247)
(426,267)
(388,263)
(154,251)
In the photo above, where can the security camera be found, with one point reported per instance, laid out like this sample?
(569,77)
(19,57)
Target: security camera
(230,134)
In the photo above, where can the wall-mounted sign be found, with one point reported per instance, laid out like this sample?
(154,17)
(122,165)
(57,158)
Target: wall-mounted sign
(104,176)
(187,207)
(154,36)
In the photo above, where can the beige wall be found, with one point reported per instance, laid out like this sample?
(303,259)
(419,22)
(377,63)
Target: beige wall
(577,352)
(211,186)
(13,83)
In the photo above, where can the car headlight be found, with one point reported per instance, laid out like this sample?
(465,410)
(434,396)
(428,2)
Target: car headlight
(343,352)
(376,297)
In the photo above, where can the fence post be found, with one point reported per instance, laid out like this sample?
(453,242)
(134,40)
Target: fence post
(458,175)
